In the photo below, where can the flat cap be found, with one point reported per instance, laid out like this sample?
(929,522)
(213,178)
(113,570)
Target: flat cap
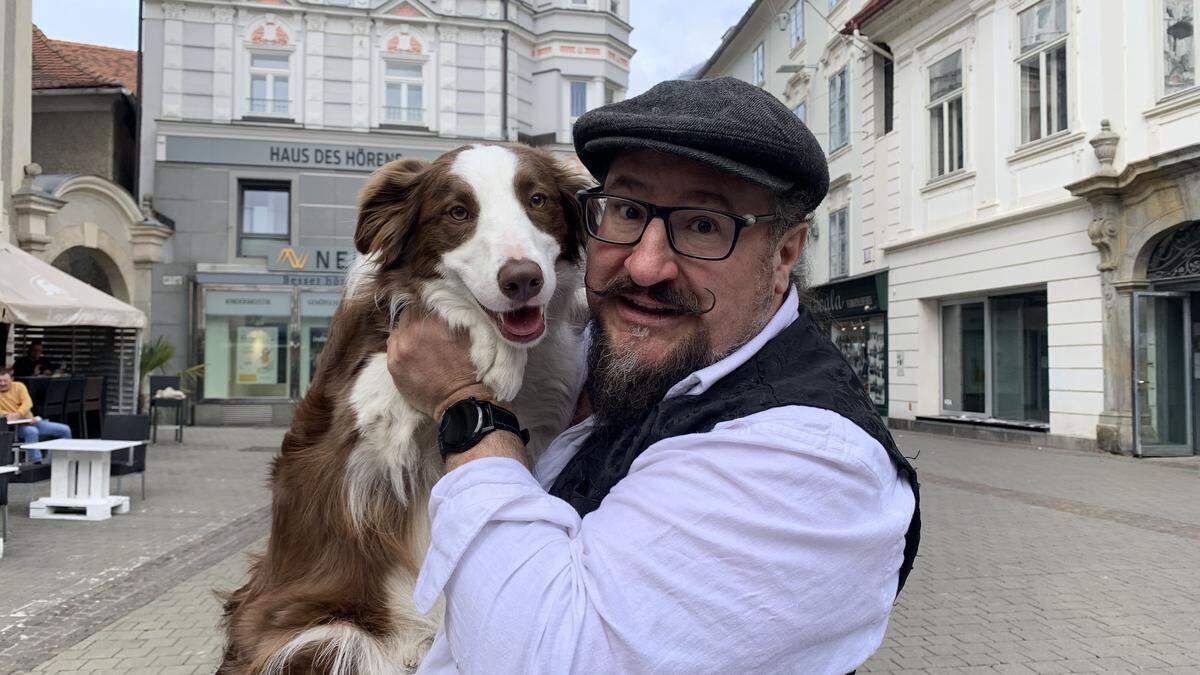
(729,124)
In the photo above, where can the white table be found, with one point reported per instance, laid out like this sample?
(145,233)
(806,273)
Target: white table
(79,473)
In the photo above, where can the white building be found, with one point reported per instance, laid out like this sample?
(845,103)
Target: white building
(262,118)
(1035,178)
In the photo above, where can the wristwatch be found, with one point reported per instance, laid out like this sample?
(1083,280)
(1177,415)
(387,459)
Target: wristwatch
(465,423)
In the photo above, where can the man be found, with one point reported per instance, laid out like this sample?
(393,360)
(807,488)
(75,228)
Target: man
(732,503)
(15,404)
(34,363)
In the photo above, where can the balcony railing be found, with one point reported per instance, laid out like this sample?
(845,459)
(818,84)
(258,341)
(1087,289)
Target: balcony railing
(268,106)
(398,115)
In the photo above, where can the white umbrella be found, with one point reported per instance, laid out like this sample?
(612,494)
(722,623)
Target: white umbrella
(34,293)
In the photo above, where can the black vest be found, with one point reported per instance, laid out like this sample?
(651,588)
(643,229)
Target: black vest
(800,367)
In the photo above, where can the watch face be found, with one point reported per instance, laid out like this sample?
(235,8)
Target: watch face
(460,423)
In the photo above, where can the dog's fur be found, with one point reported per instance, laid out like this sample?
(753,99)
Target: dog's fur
(333,592)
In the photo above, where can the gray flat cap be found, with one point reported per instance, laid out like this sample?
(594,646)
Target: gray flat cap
(729,124)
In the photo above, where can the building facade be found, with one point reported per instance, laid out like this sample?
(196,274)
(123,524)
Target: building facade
(261,121)
(798,55)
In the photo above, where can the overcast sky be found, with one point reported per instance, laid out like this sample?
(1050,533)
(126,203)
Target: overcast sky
(668,41)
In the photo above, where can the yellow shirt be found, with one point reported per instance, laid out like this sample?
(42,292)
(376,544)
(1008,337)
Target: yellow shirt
(17,400)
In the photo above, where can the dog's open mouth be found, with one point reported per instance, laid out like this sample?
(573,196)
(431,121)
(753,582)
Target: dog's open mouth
(521,325)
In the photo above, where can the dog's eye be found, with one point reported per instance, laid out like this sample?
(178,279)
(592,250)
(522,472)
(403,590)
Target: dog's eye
(538,200)
(459,213)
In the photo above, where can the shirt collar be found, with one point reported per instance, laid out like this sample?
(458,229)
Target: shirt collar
(699,381)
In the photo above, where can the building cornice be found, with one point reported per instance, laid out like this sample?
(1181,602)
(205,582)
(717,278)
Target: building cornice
(1003,220)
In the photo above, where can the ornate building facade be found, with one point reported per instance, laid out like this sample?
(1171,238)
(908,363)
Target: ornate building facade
(261,120)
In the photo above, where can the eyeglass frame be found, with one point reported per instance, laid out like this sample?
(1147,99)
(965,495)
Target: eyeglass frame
(740,221)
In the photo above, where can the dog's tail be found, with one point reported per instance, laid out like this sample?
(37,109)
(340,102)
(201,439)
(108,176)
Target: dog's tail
(338,648)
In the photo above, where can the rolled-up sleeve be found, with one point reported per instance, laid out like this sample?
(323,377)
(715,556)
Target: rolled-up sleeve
(766,545)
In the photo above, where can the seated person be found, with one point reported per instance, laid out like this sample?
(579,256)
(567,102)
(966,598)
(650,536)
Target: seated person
(33,363)
(15,404)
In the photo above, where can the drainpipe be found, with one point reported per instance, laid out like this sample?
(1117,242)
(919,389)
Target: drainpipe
(504,74)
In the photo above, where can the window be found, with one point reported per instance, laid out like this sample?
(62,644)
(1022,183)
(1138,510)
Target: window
(403,92)
(269,83)
(578,99)
(760,76)
(1042,65)
(801,111)
(614,6)
(946,116)
(246,344)
(265,218)
(1179,45)
(839,245)
(839,114)
(885,88)
(797,25)
(995,354)
(610,95)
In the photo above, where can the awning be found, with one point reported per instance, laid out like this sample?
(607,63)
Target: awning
(34,293)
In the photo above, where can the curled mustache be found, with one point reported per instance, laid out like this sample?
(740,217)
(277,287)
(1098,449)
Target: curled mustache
(675,299)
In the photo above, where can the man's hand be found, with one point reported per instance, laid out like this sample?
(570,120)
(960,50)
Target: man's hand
(431,364)
(12,416)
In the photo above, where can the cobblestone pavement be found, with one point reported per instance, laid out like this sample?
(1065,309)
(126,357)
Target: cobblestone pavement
(1032,561)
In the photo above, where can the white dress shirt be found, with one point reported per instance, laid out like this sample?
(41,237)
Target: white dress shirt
(771,544)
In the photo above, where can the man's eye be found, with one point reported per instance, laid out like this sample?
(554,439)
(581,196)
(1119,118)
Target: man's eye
(704,226)
(459,213)
(631,213)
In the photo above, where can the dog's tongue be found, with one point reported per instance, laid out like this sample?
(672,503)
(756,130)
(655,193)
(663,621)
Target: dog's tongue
(523,322)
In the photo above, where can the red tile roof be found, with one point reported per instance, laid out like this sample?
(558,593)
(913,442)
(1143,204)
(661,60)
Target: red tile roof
(70,65)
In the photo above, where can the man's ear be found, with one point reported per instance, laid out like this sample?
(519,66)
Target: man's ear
(788,252)
(569,184)
(388,208)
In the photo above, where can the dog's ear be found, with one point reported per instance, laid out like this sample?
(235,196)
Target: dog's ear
(570,182)
(388,207)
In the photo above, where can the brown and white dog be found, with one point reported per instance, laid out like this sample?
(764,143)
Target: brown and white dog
(490,238)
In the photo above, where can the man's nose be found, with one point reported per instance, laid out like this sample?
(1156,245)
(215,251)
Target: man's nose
(652,261)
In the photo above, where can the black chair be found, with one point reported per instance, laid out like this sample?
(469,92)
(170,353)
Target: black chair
(93,407)
(73,407)
(157,383)
(54,408)
(122,462)
(37,389)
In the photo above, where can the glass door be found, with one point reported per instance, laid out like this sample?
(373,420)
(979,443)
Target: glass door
(1162,370)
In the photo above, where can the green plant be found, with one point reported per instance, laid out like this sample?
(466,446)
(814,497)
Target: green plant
(155,355)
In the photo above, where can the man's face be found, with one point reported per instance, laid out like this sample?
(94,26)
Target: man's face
(649,303)
(35,351)
(5,381)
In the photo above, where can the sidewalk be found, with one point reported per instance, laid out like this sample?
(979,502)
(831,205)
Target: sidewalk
(1031,562)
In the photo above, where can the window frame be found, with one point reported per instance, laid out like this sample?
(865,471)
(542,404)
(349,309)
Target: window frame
(796,25)
(1040,52)
(1161,93)
(405,83)
(760,64)
(803,104)
(839,219)
(884,71)
(270,74)
(571,98)
(263,185)
(943,102)
(842,74)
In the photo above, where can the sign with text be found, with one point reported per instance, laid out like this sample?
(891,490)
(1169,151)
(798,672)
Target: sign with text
(311,259)
(285,154)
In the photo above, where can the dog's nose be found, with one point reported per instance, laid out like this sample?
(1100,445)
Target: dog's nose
(520,279)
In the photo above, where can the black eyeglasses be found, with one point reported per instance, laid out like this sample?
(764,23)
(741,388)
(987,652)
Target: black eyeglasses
(703,234)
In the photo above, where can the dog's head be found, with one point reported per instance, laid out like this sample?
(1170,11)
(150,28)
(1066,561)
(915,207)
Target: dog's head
(502,221)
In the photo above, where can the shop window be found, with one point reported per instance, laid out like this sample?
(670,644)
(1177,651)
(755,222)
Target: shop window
(403,92)
(946,116)
(246,344)
(1042,67)
(839,112)
(1179,45)
(995,357)
(797,24)
(265,217)
(269,73)
(839,255)
(578,99)
(864,344)
(316,313)
(801,111)
(760,73)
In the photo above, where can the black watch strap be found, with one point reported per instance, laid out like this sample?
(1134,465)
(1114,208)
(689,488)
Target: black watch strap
(465,423)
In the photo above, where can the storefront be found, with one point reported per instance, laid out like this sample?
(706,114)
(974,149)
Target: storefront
(856,310)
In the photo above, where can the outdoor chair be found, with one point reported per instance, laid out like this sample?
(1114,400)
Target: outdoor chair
(93,408)
(37,390)
(27,472)
(73,407)
(157,383)
(5,475)
(126,462)
(54,407)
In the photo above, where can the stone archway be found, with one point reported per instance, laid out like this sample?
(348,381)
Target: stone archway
(95,268)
